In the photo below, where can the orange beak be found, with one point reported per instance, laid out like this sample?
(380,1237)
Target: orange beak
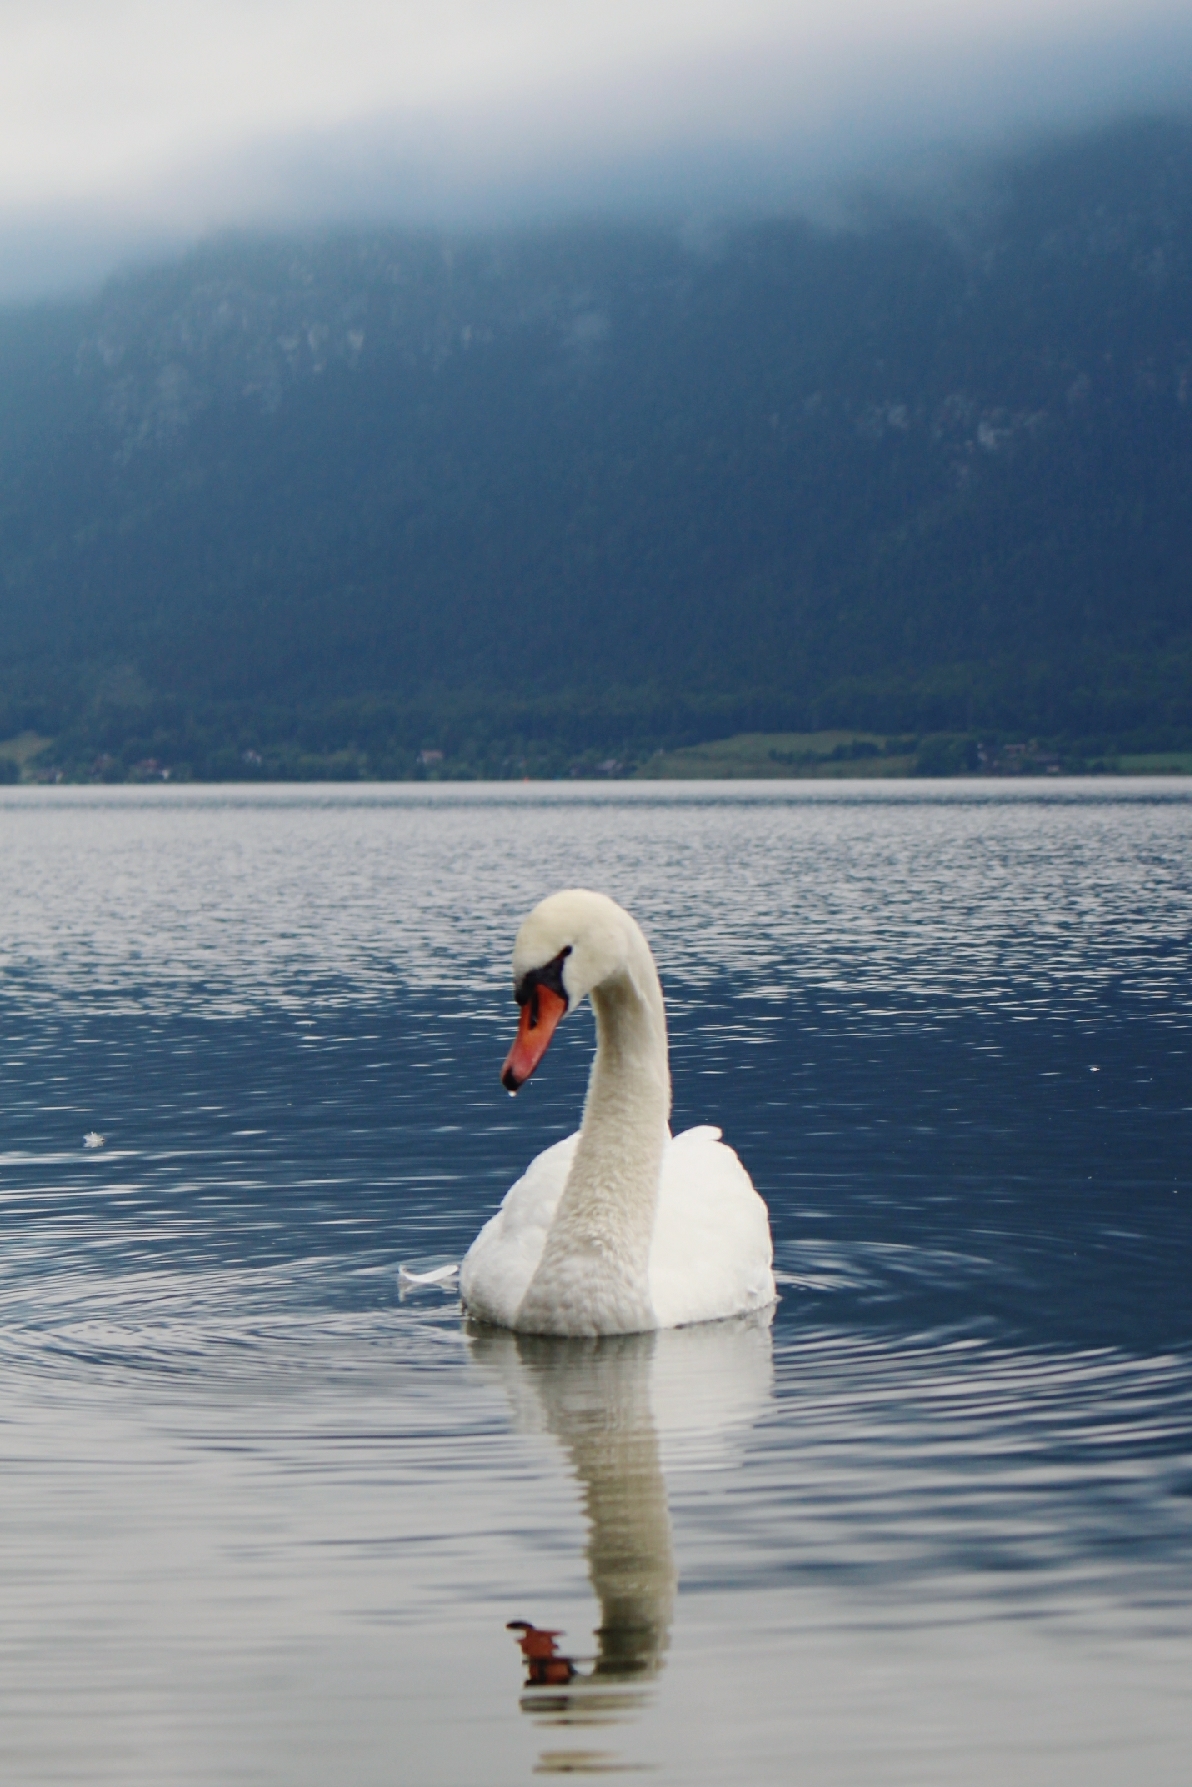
(539,1017)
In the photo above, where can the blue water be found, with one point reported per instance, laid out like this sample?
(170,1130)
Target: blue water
(264,1517)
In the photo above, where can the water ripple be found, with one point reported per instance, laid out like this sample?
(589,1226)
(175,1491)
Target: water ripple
(237,901)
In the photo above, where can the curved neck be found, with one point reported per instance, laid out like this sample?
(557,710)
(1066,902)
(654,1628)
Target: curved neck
(630,1080)
(593,1276)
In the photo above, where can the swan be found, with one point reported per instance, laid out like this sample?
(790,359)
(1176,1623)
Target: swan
(620,1228)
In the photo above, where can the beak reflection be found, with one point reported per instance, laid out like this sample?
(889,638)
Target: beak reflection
(545,1667)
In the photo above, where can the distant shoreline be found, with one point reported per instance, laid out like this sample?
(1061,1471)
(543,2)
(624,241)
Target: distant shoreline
(634,784)
(842,755)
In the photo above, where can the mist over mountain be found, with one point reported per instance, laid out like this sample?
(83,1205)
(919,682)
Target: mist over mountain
(599,488)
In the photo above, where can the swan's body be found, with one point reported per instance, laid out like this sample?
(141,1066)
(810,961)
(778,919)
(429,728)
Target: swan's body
(709,1251)
(621,1227)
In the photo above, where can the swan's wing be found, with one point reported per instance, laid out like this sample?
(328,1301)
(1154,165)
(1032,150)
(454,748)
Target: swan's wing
(711,1256)
(501,1261)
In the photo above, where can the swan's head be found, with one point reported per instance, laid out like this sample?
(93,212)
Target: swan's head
(570,944)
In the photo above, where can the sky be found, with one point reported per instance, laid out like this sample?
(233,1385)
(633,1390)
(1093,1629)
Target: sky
(131,127)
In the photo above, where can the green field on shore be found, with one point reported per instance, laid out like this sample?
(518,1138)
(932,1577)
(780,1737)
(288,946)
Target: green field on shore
(763,755)
(755,755)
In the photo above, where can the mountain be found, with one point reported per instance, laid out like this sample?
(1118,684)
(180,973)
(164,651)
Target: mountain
(317,506)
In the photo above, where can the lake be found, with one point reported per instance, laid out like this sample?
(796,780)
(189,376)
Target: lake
(266,1510)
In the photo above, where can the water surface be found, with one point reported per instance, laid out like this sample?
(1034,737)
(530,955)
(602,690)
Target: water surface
(264,1517)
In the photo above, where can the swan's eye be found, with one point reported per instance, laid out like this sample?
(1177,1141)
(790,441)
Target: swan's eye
(550,977)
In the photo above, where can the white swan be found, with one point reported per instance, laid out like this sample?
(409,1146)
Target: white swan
(621,1227)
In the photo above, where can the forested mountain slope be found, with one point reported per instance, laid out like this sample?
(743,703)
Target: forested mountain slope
(608,487)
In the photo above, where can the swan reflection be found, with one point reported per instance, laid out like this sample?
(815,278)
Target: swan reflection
(626,1409)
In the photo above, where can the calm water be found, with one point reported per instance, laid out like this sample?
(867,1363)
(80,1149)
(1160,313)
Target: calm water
(264,1519)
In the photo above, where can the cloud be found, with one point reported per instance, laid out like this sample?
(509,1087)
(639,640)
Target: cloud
(136,126)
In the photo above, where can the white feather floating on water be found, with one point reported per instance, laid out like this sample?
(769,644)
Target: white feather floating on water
(93,1139)
(417,1274)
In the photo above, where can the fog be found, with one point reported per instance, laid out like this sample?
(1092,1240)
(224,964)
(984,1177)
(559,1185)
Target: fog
(134,128)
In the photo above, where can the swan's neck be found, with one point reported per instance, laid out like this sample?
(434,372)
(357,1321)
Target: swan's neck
(593,1277)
